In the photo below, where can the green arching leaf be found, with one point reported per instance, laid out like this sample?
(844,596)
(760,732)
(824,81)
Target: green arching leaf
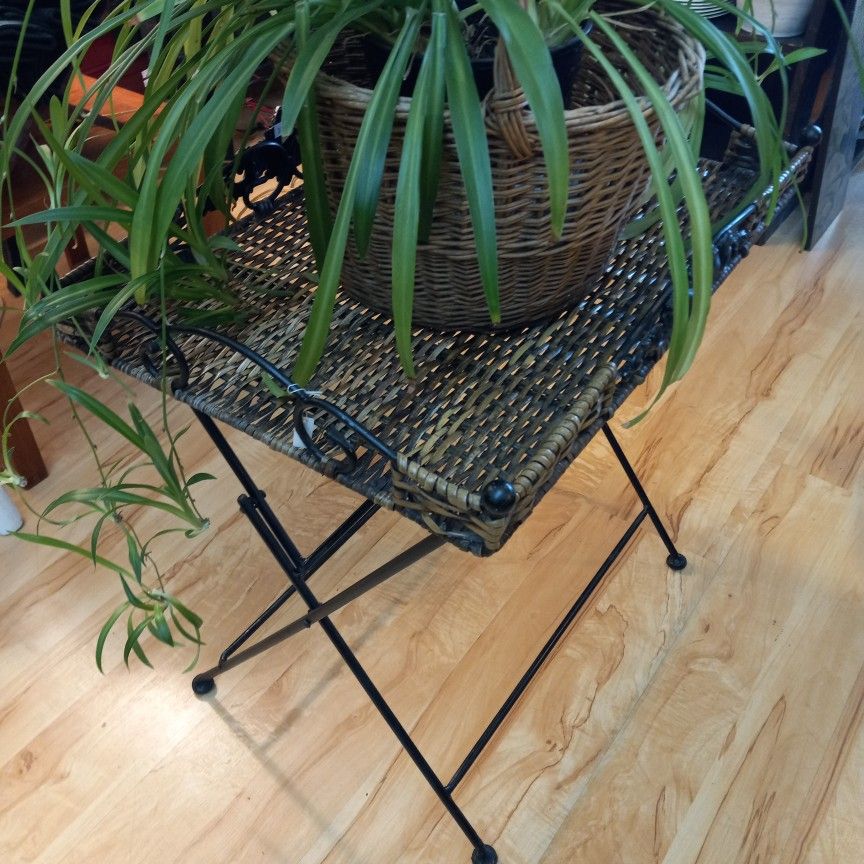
(469,131)
(166,14)
(156,191)
(29,102)
(162,71)
(100,411)
(315,335)
(681,352)
(66,20)
(195,620)
(186,157)
(163,463)
(62,305)
(114,305)
(433,133)
(671,228)
(223,241)
(96,99)
(379,130)
(696,129)
(76,215)
(95,534)
(110,496)
(857,53)
(117,250)
(722,84)
(532,64)
(56,116)
(106,629)
(769,142)
(776,160)
(56,543)
(133,634)
(681,349)
(195,638)
(310,59)
(214,190)
(799,55)
(199,478)
(134,600)
(92,176)
(314,178)
(274,388)
(95,363)
(192,36)
(135,558)
(79,166)
(158,626)
(11,277)
(406,219)
(147,116)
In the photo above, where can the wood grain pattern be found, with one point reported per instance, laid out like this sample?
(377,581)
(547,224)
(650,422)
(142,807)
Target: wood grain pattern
(714,715)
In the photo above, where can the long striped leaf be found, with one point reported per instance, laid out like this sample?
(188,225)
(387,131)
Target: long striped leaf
(187,155)
(408,196)
(314,178)
(769,142)
(100,411)
(159,195)
(76,215)
(433,133)
(315,335)
(62,305)
(312,56)
(110,497)
(472,146)
(55,543)
(675,251)
(532,64)
(380,130)
(106,629)
(681,351)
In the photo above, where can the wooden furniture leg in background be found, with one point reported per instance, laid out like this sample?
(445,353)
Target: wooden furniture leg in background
(28,459)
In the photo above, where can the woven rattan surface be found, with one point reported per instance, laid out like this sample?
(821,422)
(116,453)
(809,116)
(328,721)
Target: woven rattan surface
(608,174)
(518,406)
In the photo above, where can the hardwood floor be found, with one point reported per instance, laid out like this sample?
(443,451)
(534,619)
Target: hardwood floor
(714,715)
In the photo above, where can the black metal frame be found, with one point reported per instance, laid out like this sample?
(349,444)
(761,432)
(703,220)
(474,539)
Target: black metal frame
(299,568)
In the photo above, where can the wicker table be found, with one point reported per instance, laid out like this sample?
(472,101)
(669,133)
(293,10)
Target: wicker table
(466,451)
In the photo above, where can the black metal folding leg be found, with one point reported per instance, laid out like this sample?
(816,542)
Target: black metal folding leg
(674,559)
(299,569)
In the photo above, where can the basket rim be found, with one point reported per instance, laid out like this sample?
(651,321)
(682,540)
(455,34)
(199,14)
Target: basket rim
(685,75)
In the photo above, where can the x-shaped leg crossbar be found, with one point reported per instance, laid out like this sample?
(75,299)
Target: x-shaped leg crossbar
(299,569)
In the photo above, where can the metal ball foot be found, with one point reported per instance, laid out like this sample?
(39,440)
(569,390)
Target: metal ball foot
(676,562)
(484,855)
(202,685)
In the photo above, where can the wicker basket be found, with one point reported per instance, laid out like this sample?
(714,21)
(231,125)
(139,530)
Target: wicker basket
(539,276)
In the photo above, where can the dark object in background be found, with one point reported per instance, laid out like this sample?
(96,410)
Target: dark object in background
(100,56)
(566,60)
(43,40)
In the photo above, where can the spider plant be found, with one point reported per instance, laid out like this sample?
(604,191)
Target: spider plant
(166,166)
(202,55)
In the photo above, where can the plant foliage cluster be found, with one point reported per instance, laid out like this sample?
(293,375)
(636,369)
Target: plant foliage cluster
(144,196)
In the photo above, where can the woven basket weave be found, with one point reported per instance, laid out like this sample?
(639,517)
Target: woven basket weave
(538,275)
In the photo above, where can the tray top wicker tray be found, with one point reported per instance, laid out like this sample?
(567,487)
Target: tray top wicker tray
(486,407)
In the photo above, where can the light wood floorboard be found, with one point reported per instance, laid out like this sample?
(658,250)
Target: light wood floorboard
(714,715)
